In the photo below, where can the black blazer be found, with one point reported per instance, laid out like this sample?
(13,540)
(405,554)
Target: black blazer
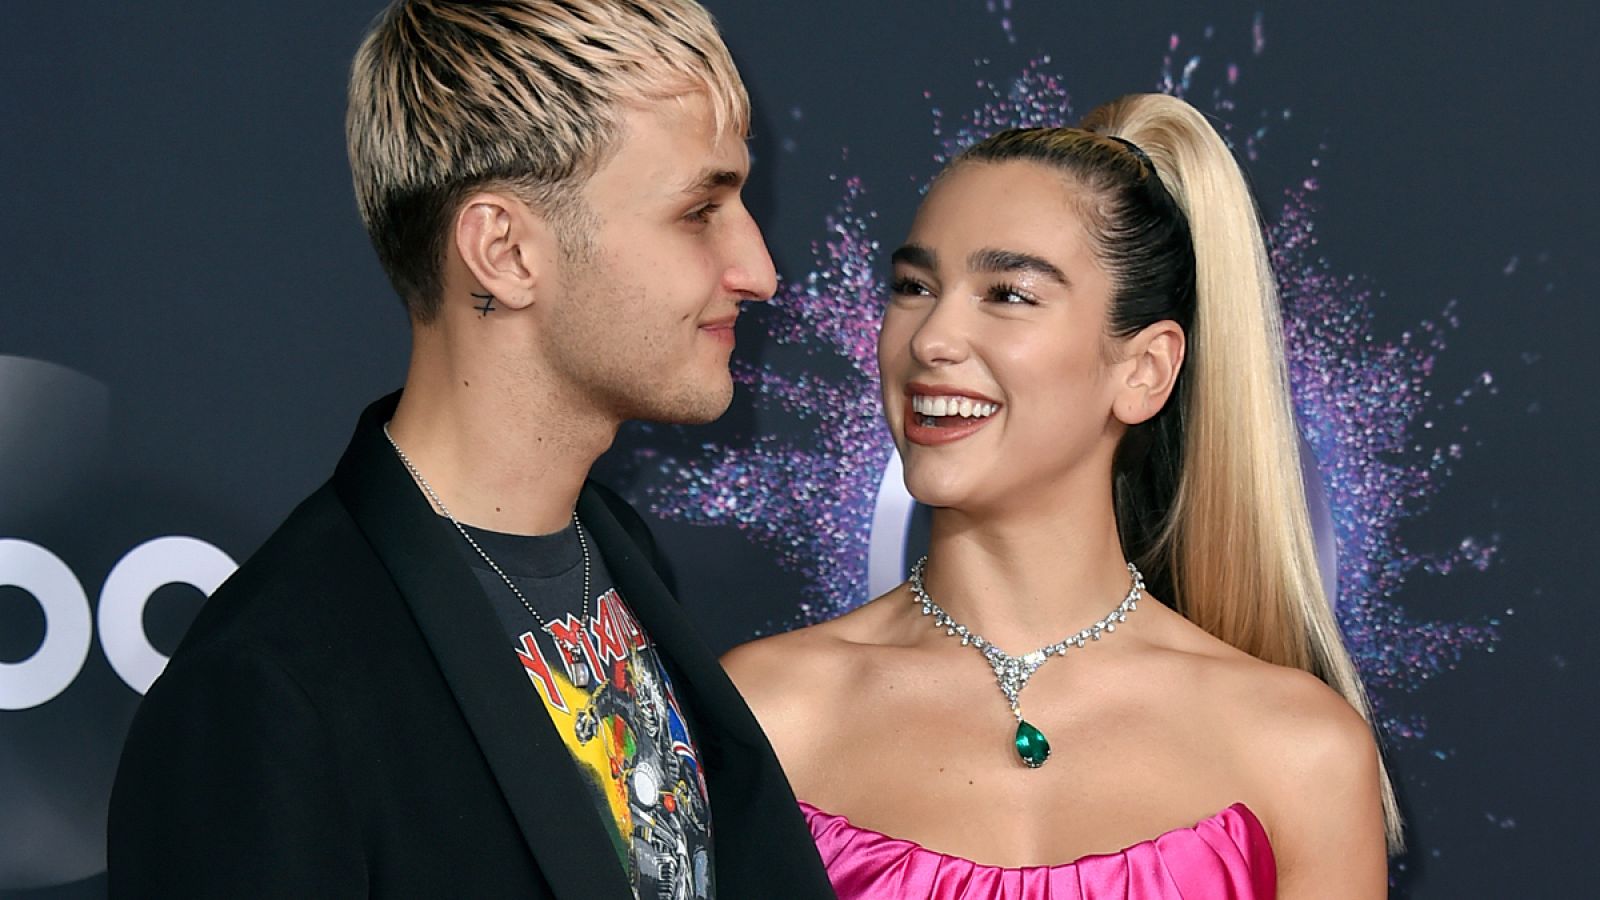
(345,717)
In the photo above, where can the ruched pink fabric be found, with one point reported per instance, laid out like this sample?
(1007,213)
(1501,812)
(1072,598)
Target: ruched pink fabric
(1224,857)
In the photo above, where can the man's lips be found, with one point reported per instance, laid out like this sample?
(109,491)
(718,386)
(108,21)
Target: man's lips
(721,329)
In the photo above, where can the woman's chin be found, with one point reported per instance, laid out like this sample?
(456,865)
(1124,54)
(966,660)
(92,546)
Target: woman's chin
(955,491)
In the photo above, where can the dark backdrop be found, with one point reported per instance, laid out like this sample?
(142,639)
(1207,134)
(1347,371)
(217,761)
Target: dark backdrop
(190,319)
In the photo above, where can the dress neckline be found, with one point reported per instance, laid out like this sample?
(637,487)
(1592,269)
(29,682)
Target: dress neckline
(1237,812)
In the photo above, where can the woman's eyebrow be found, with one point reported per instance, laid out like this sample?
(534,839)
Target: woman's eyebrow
(992,260)
(915,255)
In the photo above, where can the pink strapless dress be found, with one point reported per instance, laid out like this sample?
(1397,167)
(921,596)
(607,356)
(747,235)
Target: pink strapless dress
(1224,857)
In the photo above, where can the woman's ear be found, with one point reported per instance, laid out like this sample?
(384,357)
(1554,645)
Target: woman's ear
(505,247)
(1153,359)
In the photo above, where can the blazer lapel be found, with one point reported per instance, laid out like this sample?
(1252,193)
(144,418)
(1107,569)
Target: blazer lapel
(761,839)
(533,767)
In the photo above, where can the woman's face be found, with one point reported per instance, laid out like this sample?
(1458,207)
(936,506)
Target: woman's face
(996,380)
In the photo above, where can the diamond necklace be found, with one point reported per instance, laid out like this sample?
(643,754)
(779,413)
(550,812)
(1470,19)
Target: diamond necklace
(579,672)
(1013,672)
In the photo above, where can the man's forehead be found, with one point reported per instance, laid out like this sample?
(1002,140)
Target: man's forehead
(670,147)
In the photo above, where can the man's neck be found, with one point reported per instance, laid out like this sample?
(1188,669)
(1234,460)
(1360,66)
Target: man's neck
(507,458)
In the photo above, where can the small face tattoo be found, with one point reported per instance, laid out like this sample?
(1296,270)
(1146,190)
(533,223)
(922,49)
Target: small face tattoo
(488,304)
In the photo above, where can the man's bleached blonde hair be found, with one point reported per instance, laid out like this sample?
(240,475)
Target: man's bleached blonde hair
(523,96)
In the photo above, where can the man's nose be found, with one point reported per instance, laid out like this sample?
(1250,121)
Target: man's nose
(750,272)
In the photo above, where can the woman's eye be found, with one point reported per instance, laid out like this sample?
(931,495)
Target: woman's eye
(1010,296)
(908,287)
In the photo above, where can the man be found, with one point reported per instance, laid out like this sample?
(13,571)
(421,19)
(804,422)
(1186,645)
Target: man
(454,671)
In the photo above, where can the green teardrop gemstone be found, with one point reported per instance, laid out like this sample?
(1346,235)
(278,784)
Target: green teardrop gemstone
(1031,745)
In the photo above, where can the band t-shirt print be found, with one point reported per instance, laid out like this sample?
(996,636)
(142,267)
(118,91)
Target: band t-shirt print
(613,704)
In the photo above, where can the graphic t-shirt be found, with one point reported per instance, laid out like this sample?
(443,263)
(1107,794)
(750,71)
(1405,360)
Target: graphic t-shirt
(613,704)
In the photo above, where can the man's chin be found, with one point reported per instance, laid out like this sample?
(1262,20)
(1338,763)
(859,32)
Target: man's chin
(711,410)
(700,405)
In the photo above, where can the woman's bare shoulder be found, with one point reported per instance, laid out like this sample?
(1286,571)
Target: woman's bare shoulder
(1301,754)
(1266,705)
(796,682)
(1314,768)
(766,667)
(1293,726)
(1323,785)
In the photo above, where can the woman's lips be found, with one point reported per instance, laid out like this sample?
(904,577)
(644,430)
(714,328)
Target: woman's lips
(934,431)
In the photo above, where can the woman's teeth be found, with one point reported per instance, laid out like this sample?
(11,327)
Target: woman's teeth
(964,407)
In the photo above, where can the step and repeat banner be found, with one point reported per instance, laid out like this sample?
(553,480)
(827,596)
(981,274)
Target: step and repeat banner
(191,319)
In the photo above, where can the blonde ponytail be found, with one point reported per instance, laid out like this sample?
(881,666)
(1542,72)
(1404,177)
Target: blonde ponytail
(1237,539)
(1209,500)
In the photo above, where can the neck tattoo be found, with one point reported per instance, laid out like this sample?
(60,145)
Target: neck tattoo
(1013,672)
(579,672)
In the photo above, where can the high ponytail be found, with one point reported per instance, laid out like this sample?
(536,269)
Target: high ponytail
(1208,492)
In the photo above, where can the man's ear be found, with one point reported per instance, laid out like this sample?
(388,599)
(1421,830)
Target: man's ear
(505,246)
(1153,358)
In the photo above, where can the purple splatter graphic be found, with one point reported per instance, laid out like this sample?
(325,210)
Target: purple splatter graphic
(1366,406)
(1002,9)
(1360,403)
(1036,98)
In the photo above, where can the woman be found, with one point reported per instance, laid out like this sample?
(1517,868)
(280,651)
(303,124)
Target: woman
(1082,369)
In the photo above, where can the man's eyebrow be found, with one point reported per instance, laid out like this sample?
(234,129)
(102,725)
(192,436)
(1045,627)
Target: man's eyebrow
(992,260)
(915,255)
(716,178)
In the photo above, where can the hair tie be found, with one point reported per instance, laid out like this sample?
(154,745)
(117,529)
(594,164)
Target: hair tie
(1154,183)
(1138,154)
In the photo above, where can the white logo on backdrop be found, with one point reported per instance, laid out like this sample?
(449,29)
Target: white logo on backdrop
(69,631)
(151,565)
(53,434)
(67,625)
(62,713)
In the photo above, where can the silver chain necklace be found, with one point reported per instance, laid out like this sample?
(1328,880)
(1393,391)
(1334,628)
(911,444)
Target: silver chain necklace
(1013,672)
(579,671)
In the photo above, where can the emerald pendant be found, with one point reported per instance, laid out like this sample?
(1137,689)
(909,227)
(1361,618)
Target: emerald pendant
(1031,745)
